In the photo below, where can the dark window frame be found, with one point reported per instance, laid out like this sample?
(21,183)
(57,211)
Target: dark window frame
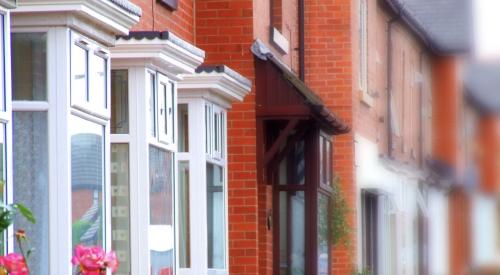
(312,187)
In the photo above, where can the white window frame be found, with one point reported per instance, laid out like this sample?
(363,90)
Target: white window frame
(201,152)
(139,138)
(216,131)
(363,53)
(59,108)
(165,109)
(95,52)
(6,116)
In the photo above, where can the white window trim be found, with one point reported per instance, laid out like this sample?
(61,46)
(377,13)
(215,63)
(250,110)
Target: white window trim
(59,147)
(94,52)
(139,139)
(198,160)
(365,95)
(206,91)
(6,118)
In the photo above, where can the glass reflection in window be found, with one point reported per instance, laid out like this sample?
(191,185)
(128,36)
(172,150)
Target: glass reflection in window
(87,181)
(183,125)
(119,102)
(29,66)
(161,198)
(184,224)
(216,216)
(79,72)
(99,93)
(323,235)
(291,232)
(152,103)
(120,205)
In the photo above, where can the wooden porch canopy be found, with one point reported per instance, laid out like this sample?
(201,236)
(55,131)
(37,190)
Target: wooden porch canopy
(282,97)
(280,93)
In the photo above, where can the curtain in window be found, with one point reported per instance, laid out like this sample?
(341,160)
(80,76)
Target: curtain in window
(30,174)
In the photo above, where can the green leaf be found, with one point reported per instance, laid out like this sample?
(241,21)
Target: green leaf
(5,220)
(25,212)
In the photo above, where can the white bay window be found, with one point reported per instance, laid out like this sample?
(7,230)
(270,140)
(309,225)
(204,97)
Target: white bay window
(61,122)
(204,99)
(148,81)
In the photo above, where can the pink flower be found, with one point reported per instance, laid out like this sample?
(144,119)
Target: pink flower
(14,263)
(93,260)
(111,262)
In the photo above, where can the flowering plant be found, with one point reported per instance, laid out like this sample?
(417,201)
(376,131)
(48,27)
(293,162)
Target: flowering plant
(15,263)
(93,260)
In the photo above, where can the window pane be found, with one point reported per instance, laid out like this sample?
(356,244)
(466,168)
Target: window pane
(292,168)
(3,177)
(291,232)
(184,224)
(161,231)
(170,112)
(120,206)
(79,69)
(208,129)
(87,181)
(99,96)
(152,104)
(216,217)
(370,231)
(183,128)
(119,102)
(31,182)
(29,66)
(323,235)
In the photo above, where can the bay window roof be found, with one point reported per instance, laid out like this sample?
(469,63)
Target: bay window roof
(128,6)
(164,50)
(218,83)
(280,93)
(101,20)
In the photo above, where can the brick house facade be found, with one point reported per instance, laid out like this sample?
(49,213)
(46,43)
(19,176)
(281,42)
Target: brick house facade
(221,125)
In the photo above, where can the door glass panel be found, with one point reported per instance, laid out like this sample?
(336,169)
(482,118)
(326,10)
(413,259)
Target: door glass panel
(184,224)
(87,181)
(161,231)
(216,216)
(119,102)
(292,168)
(292,233)
(120,205)
(29,66)
(31,182)
(323,235)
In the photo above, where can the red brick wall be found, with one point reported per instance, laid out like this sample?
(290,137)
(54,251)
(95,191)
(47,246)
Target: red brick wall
(329,72)
(224,29)
(459,224)
(446,100)
(489,146)
(157,17)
